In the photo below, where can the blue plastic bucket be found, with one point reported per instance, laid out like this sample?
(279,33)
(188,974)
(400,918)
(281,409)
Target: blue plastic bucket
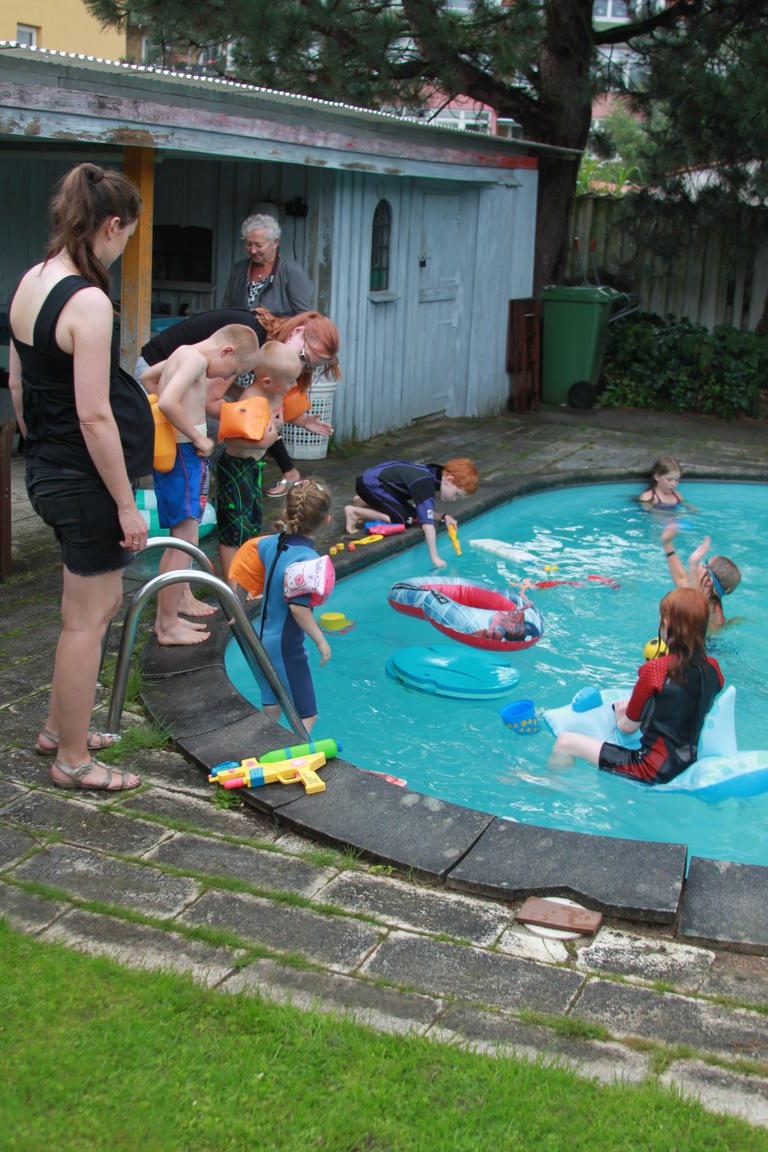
(520,716)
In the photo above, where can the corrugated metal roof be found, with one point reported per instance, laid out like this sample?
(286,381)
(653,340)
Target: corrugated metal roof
(432,143)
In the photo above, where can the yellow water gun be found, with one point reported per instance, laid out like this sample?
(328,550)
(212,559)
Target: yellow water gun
(249,773)
(454,538)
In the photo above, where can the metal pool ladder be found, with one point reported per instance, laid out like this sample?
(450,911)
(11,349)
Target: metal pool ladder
(239,624)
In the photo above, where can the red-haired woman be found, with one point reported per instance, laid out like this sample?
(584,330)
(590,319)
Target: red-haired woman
(669,702)
(88,436)
(316,339)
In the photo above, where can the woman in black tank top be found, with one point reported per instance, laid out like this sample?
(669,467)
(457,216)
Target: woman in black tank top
(88,432)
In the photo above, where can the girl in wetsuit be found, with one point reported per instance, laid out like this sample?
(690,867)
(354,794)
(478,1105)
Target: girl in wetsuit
(668,703)
(259,566)
(662,490)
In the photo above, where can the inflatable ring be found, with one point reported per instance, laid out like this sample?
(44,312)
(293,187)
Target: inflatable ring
(500,621)
(719,771)
(146,502)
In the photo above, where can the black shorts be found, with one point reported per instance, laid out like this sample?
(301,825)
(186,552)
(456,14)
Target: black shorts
(83,516)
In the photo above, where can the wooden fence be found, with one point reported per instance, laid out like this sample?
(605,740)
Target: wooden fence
(715,278)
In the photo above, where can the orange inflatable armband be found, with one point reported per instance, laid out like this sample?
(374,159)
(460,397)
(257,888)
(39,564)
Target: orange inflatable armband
(245,419)
(295,403)
(165,438)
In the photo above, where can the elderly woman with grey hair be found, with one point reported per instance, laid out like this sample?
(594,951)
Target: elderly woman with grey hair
(266,278)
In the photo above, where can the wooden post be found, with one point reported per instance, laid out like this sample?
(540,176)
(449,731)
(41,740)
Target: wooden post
(7,432)
(136,288)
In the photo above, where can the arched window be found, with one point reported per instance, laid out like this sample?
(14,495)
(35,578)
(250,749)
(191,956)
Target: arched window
(380,243)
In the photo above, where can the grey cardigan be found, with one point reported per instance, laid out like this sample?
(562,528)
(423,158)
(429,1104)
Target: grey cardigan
(289,293)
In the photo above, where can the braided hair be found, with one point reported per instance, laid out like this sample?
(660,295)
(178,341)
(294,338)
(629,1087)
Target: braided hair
(306,507)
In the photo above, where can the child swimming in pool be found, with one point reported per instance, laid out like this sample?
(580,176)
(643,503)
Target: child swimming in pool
(714,579)
(669,702)
(402,493)
(662,491)
(259,566)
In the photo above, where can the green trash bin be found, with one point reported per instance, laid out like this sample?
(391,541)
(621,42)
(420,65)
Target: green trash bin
(574,323)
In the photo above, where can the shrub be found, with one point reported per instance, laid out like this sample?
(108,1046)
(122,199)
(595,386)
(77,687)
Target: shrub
(676,366)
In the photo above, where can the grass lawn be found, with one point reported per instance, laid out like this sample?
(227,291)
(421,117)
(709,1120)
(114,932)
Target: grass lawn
(95,1056)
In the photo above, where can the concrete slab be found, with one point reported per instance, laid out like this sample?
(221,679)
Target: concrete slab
(408,906)
(740,976)
(159,661)
(628,878)
(174,807)
(468,973)
(82,823)
(337,941)
(672,1019)
(23,766)
(14,844)
(176,702)
(17,680)
(726,903)
(645,958)
(503,1035)
(141,946)
(394,825)
(170,770)
(89,876)
(9,791)
(26,911)
(360,1000)
(720,1090)
(270,871)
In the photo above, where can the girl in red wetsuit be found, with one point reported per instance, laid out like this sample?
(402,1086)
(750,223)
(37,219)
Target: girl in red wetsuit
(668,703)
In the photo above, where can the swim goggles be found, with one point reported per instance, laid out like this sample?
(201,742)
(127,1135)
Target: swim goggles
(717,586)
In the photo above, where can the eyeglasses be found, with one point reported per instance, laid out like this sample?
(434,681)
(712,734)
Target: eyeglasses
(717,586)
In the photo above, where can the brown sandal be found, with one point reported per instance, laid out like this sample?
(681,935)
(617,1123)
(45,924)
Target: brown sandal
(96,742)
(74,777)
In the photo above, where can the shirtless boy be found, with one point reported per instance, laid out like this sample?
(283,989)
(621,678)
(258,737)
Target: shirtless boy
(239,469)
(181,383)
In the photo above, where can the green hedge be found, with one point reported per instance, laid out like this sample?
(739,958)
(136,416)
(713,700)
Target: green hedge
(676,366)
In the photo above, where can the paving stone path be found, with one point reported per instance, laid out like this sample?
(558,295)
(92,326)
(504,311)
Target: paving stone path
(327,930)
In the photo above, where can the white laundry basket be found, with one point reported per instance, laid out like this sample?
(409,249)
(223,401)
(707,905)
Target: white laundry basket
(300,442)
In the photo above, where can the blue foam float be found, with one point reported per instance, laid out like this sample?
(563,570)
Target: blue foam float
(440,670)
(720,770)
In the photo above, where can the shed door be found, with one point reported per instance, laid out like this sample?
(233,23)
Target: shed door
(436,339)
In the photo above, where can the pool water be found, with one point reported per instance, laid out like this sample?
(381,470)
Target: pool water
(459,750)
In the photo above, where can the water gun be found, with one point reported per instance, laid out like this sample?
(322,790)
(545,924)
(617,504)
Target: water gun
(250,773)
(365,540)
(329,747)
(454,538)
(382,529)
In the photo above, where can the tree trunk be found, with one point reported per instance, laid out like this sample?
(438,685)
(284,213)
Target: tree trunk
(556,196)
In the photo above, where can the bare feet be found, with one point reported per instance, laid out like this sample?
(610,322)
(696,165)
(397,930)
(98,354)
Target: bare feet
(189,605)
(351,523)
(182,632)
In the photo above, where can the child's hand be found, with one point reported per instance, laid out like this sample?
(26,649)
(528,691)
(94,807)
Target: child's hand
(318,426)
(699,553)
(669,532)
(450,521)
(203,445)
(438,562)
(324,649)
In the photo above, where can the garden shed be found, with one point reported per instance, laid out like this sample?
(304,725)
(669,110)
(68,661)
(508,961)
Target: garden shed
(415,237)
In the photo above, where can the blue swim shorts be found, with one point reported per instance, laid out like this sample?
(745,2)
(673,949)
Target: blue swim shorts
(182,492)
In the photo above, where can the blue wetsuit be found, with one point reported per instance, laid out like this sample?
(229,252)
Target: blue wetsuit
(282,637)
(406,492)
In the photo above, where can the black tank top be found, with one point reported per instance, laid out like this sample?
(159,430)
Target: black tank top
(48,390)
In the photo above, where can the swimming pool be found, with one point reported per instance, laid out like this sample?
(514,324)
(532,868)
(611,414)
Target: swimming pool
(594,635)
